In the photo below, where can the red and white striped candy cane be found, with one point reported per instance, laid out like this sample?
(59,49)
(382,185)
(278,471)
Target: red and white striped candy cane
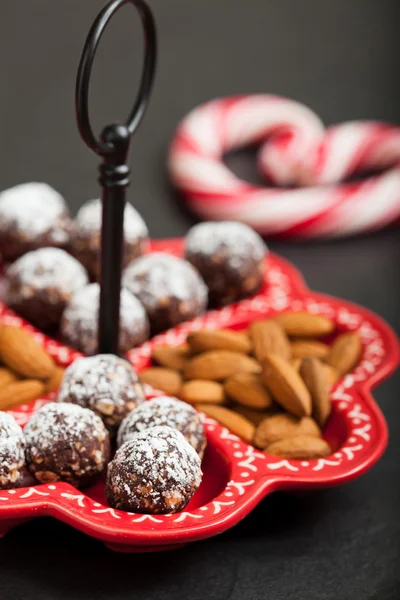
(296,150)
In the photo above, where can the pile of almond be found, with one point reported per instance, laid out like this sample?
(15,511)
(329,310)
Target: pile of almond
(27,372)
(268,384)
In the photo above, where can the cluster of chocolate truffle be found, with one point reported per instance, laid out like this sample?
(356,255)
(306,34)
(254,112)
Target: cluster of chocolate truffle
(157,466)
(53,278)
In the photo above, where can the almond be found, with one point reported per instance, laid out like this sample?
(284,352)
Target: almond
(302,324)
(345,352)
(254,416)
(160,378)
(283,426)
(202,391)
(286,386)
(21,392)
(302,348)
(173,357)
(6,377)
(55,380)
(219,365)
(249,390)
(300,447)
(269,338)
(224,339)
(237,424)
(20,352)
(314,376)
(332,375)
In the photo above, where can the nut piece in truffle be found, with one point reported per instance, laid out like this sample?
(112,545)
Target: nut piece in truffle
(229,257)
(12,452)
(79,322)
(106,384)
(32,216)
(86,237)
(157,471)
(65,442)
(165,411)
(169,288)
(40,283)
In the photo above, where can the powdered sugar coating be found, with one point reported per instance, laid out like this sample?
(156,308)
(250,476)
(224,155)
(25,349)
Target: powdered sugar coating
(157,471)
(12,452)
(41,282)
(79,322)
(86,238)
(237,239)
(88,220)
(106,384)
(66,442)
(32,215)
(169,288)
(164,410)
(230,258)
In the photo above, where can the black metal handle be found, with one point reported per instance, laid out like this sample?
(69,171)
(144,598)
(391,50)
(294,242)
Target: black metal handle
(85,69)
(113,146)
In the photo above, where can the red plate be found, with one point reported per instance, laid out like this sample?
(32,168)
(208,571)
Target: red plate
(236,476)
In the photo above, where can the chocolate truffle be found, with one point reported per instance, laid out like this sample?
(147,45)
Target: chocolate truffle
(86,237)
(230,258)
(165,411)
(79,323)
(65,442)
(106,384)
(12,452)
(157,471)
(40,283)
(169,288)
(32,215)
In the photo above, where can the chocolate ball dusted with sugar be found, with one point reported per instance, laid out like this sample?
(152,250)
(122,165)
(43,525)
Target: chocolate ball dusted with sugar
(229,257)
(165,411)
(169,288)
(32,215)
(65,442)
(40,283)
(106,384)
(12,452)
(157,471)
(86,238)
(79,324)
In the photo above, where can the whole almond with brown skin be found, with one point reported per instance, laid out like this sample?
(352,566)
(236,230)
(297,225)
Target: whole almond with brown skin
(249,390)
(237,424)
(20,352)
(314,376)
(173,357)
(332,375)
(345,352)
(269,338)
(202,391)
(300,447)
(6,377)
(223,339)
(283,426)
(219,365)
(303,324)
(55,380)
(160,378)
(302,348)
(254,416)
(286,386)
(21,392)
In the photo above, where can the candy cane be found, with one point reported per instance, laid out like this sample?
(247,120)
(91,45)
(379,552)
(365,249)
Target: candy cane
(296,150)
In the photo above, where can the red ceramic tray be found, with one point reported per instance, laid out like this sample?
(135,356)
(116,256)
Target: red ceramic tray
(236,476)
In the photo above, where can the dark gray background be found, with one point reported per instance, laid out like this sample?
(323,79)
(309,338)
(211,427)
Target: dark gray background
(342,59)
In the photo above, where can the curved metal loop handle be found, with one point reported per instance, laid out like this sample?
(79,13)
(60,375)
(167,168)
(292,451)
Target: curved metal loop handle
(85,68)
